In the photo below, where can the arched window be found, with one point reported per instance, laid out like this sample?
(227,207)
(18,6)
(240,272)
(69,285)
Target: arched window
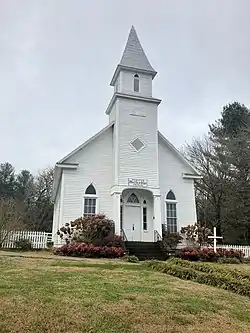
(90,190)
(90,199)
(170,195)
(136,83)
(171,212)
(133,199)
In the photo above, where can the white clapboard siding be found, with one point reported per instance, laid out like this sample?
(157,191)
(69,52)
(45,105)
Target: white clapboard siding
(38,239)
(244,249)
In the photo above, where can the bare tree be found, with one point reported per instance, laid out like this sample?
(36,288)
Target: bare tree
(11,218)
(211,189)
(41,208)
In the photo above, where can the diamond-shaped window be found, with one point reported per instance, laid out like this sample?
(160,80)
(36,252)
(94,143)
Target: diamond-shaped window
(137,144)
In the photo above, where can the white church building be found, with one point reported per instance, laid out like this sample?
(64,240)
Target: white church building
(128,171)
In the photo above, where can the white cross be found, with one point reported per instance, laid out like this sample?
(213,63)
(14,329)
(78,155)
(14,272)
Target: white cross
(215,237)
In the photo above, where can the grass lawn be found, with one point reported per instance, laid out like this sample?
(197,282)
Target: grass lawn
(90,296)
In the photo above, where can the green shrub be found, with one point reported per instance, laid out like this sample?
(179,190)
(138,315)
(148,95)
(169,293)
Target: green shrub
(246,260)
(50,244)
(211,268)
(23,244)
(132,258)
(170,240)
(225,260)
(206,274)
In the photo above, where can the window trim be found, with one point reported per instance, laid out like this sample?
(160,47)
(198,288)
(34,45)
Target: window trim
(144,206)
(93,187)
(173,195)
(133,203)
(136,77)
(121,213)
(142,141)
(171,201)
(90,196)
(166,201)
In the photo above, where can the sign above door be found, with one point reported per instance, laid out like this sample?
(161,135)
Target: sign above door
(137,182)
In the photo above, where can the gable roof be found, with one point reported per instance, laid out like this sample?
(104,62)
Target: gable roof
(63,162)
(84,144)
(178,153)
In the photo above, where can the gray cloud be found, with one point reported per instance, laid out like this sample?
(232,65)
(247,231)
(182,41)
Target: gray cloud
(57,58)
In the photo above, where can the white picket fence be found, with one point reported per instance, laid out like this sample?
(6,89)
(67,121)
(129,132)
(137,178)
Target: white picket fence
(244,249)
(38,239)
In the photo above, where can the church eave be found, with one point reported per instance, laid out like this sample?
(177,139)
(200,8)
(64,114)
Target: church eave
(56,181)
(63,162)
(130,69)
(67,165)
(195,173)
(128,96)
(191,176)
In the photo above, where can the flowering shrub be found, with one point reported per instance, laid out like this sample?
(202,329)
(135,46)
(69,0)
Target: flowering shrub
(87,229)
(196,234)
(110,241)
(208,254)
(189,253)
(231,254)
(89,251)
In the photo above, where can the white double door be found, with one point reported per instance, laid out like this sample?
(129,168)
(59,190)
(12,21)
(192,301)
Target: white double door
(133,222)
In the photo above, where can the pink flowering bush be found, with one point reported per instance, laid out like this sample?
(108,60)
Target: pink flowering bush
(208,254)
(89,251)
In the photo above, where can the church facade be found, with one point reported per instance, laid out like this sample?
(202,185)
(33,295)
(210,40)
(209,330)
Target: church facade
(128,171)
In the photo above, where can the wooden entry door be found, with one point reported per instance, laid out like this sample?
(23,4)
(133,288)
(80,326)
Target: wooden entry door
(132,222)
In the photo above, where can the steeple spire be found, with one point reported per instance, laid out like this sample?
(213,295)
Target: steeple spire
(134,57)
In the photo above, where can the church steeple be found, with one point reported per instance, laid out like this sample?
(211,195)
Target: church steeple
(133,58)
(134,55)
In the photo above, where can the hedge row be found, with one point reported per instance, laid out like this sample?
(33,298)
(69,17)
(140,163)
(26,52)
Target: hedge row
(212,277)
(212,268)
(89,251)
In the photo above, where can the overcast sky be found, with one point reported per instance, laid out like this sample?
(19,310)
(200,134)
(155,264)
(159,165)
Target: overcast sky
(57,58)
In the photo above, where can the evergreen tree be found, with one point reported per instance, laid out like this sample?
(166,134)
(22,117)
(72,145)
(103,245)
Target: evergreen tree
(7,180)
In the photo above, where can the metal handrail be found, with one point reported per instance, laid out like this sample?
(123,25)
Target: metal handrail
(124,237)
(157,236)
(162,243)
